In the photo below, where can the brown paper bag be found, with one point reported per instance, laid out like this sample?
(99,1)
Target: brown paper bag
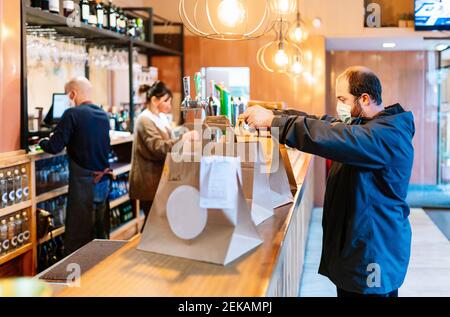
(281,176)
(221,242)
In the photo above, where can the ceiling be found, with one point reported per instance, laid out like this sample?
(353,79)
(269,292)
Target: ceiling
(342,25)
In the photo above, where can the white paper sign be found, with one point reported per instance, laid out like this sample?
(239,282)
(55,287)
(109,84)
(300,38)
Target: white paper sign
(218,181)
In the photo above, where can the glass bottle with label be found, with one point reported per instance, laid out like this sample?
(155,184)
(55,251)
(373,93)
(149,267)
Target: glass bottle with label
(100,14)
(92,13)
(54,6)
(85,11)
(132,28)
(112,17)
(36,4)
(45,5)
(105,18)
(10,188)
(68,7)
(25,185)
(18,186)
(25,227)
(19,233)
(4,242)
(12,234)
(3,191)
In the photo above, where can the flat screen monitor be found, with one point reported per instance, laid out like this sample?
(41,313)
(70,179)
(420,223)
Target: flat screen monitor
(432,15)
(60,104)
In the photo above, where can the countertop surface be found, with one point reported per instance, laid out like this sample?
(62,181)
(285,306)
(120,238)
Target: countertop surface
(130,272)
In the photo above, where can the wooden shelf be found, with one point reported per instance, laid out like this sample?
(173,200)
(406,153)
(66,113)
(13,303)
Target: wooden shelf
(52,194)
(18,252)
(14,208)
(119,201)
(55,233)
(124,232)
(100,36)
(120,168)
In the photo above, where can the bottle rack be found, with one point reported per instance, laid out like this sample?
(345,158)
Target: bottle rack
(17,256)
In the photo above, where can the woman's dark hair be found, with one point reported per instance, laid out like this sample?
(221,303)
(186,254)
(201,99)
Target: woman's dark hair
(158,90)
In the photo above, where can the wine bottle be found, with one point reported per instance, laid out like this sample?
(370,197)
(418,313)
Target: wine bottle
(100,14)
(54,6)
(85,11)
(112,17)
(45,5)
(36,4)
(68,7)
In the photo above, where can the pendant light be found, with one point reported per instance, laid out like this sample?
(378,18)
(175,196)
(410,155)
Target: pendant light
(280,55)
(233,19)
(298,32)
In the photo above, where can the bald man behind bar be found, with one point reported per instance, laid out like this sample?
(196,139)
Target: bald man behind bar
(84,130)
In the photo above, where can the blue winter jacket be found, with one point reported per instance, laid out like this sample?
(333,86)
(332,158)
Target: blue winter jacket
(366,231)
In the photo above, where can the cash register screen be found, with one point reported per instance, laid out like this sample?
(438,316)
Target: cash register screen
(60,104)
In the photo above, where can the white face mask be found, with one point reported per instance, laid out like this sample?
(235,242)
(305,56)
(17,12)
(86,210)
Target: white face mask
(344,112)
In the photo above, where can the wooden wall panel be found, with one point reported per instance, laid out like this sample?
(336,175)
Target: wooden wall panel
(405,78)
(10,51)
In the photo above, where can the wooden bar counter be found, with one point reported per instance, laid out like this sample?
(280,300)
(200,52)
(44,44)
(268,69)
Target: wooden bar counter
(272,269)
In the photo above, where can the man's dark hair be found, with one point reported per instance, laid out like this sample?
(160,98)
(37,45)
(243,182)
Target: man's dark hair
(362,80)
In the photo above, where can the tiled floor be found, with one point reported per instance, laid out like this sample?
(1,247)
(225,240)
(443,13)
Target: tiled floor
(429,269)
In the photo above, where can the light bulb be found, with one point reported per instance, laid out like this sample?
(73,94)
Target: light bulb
(297,68)
(283,6)
(281,58)
(298,34)
(231,12)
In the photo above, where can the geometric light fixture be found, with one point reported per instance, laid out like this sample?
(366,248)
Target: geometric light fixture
(298,32)
(280,55)
(233,19)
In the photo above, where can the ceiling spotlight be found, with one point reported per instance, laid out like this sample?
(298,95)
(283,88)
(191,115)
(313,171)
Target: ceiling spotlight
(317,23)
(389,45)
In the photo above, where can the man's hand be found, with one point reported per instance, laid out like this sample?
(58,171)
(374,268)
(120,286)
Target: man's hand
(258,117)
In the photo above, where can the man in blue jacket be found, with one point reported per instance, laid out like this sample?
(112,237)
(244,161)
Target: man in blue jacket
(366,230)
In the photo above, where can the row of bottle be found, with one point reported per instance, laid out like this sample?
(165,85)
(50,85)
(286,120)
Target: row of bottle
(121,215)
(119,187)
(119,120)
(14,186)
(58,208)
(52,173)
(14,232)
(50,253)
(96,13)
(219,102)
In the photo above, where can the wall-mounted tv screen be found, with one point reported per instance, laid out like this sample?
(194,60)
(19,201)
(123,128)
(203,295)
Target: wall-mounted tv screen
(432,14)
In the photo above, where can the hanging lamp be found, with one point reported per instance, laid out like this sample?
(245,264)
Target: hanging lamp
(298,32)
(280,55)
(233,19)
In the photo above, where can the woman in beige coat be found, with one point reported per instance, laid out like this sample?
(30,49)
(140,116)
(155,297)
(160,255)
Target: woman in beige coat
(152,142)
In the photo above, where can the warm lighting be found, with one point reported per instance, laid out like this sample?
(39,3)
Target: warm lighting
(231,12)
(227,19)
(389,45)
(297,32)
(317,23)
(280,55)
(297,67)
(283,7)
(281,58)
